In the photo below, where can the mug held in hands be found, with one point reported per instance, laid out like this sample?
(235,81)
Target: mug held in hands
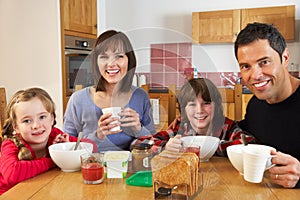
(115,114)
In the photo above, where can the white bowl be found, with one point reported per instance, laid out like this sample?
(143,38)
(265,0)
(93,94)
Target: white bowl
(66,158)
(208,145)
(235,155)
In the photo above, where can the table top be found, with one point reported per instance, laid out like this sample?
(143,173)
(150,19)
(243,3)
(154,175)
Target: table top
(221,181)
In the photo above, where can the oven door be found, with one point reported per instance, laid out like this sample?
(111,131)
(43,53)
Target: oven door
(78,70)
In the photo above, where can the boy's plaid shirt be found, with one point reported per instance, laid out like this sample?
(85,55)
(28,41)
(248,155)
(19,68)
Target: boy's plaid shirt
(230,134)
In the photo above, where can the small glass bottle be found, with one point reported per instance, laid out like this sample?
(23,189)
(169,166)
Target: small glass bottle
(141,157)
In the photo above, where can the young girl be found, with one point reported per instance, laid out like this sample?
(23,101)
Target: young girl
(27,132)
(201,114)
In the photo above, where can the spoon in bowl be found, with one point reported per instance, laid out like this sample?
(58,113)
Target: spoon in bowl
(244,140)
(78,140)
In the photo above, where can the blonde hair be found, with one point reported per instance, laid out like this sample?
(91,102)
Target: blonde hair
(10,116)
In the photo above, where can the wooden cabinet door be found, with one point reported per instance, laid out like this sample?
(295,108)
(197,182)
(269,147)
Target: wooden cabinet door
(215,26)
(223,26)
(282,17)
(163,110)
(80,16)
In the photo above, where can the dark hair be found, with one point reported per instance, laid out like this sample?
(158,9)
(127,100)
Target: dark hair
(256,31)
(209,92)
(115,40)
(10,116)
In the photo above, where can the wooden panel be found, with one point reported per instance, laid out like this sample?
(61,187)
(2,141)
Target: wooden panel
(163,109)
(228,110)
(245,99)
(145,87)
(172,103)
(238,90)
(79,34)
(282,17)
(232,102)
(2,108)
(195,27)
(227,95)
(80,16)
(215,26)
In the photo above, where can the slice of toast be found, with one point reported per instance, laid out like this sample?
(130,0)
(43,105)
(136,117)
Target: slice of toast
(176,170)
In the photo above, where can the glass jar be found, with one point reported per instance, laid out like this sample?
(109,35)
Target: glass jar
(141,157)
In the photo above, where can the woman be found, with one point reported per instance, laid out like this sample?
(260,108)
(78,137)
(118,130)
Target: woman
(201,114)
(113,65)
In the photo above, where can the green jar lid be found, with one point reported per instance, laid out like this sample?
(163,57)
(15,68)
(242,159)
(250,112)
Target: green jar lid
(140,178)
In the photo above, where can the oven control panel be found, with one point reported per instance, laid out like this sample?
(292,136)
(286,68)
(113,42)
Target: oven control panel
(72,42)
(81,43)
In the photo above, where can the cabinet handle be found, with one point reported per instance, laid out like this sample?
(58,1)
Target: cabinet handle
(95,25)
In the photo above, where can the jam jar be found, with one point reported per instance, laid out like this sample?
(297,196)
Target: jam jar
(141,157)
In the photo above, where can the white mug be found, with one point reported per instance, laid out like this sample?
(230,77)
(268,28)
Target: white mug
(256,159)
(114,111)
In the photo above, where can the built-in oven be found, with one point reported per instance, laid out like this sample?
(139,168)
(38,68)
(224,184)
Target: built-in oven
(78,71)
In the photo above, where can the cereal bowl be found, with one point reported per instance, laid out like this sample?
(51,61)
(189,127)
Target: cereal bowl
(66,158)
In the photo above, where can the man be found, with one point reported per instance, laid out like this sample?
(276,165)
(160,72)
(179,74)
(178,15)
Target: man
(273,113)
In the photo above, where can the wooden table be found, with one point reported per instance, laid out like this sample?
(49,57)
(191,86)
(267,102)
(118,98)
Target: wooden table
(221,181)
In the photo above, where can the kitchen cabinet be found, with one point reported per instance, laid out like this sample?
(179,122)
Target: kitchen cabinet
(80,17)
(163,110)
(215,26)
(282,17)
(168,107)
(224,26)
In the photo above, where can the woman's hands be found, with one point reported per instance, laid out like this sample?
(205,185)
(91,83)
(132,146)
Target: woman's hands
(129,122)
(64,137)
(105,124)
(174,144)
(286,172)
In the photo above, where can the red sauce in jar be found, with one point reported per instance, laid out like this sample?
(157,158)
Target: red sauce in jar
(195,150)
(92,171)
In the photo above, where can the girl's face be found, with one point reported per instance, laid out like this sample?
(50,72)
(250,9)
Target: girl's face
(33,121)
(113,66)
(199,114)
